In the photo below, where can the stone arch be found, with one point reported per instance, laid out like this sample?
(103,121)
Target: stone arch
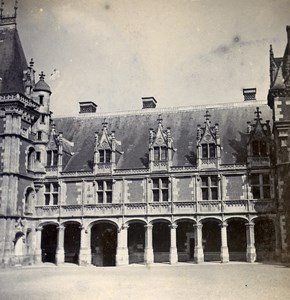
(29,200)
(265,238)
(237,238)
(165,220)
(185,238)
(103,242)
(19,242)
(72,240)
(136,220)
(112,222)
(30,158)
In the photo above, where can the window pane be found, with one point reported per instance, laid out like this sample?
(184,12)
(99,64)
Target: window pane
(109,185)
(156,153)
(55,199)
(100,197)
(102,157)
(156,195)
(155,183)
(255,179)
(266,192)
(263,148)
(164,153)
(204,151)
(47,188)
(255,148)
(100,185)
(164,182)
(109,197)
(204,181)
(55,157)
(266,179)
(47,199)
(212,150)
(55,187)
(214,193)
(214,181)
(108,156)
(205,194)
(49,156)
(165,195)
(256,192)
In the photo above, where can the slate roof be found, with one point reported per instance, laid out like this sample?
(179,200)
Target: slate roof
(41,85)
(132,129)
(12,61)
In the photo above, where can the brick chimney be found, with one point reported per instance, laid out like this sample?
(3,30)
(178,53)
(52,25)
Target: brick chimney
(148,102)
(249,94)
(87,107)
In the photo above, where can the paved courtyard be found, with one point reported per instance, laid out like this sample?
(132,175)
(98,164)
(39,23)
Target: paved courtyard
(160,281)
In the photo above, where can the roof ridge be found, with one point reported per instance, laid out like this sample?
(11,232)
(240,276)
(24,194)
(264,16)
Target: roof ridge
(165,109)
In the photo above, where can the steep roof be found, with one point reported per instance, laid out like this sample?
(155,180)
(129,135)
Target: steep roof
(12,61)
(132,129)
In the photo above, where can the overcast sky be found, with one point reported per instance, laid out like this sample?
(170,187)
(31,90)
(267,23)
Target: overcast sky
(182,52)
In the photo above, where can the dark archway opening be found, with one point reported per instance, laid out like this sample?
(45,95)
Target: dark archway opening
(104,244)
(161,241)
(49,243)
(185,241)
(265,241)
(136,242)
(211,237)
(72,238)
(237,240)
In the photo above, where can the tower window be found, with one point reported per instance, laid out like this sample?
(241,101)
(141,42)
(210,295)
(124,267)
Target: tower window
(259,148)
(104,192)
(51,193)
(160,189)
(42,120)
(209,187)
(208,150)
(41,99)
(39,135)
(160,153)
(105,156)
(38,155)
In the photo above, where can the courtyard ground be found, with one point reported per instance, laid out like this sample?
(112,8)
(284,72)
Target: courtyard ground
(159,281)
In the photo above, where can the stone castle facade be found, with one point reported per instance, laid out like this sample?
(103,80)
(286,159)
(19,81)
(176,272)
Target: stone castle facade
(198,183)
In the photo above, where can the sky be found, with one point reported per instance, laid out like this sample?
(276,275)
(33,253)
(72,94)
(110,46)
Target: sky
(182,52)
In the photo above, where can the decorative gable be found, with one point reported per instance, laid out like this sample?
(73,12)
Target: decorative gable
(208,144)
(259,142)
(160,147)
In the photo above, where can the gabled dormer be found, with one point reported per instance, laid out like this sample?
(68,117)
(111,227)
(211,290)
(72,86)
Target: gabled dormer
(208,145)
(259,142)
(160,148)
(54,150)
(105,151)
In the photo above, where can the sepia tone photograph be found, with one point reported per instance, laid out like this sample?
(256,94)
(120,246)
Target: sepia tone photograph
(144,149)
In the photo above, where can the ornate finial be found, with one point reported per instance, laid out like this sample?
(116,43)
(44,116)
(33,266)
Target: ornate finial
(41,76)
(258,112)
(31,63)
(1,8)
(159,120)
(15,7)
(105,124)
(207,115)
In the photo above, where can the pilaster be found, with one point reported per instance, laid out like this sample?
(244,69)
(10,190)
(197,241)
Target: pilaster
(85,256)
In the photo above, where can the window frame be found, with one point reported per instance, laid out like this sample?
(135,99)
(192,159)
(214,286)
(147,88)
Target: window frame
(160,189)
(260,187)
(206,150)
(104,191)
(209,189)
(160,153)
(51,193)
(105,156)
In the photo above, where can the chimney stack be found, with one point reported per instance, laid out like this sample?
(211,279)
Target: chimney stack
(249,94)
(87,107)
(148,102)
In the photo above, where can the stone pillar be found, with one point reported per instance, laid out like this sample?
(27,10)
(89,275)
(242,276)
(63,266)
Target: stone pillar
(173,256)
(37,249)
(198,249)
(59,256)
(148,253)
(251,250)
(85,255)
(122,255)
(224,243)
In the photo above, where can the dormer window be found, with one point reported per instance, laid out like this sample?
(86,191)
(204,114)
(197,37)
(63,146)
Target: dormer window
(160,153)
(52,158)
(105,156)
(208,150)
(259,148)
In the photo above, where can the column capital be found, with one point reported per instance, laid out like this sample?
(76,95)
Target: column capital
(173,226)
(250,224)
(224,224)
(125,226)
(148,226)
(198,225)
(61,227)
(39,228)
